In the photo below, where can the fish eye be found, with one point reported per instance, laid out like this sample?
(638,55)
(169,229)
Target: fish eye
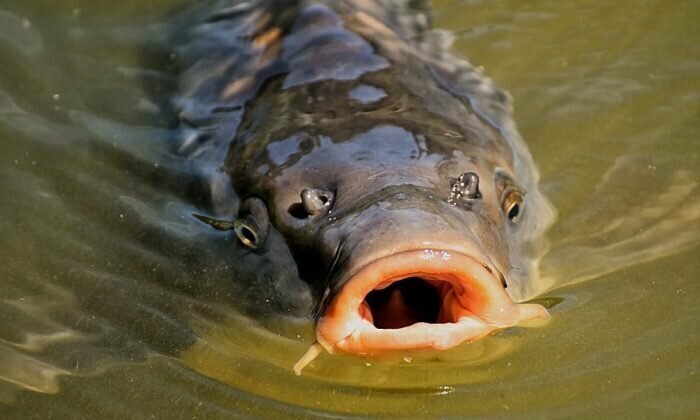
(512,205)
(254,223)
(246,234)
(245,229)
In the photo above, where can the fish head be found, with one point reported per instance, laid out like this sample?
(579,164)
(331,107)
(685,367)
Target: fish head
(410,240)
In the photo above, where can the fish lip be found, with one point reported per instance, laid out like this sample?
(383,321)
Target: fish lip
(478,305)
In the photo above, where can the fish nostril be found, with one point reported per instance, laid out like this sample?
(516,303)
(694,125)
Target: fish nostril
(298,211)
(314,202)
(464,188)
(468,184)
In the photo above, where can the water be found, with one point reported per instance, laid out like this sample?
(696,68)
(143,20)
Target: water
(114,302)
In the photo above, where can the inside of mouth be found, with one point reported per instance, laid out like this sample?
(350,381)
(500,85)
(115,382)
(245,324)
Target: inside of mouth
(406,302)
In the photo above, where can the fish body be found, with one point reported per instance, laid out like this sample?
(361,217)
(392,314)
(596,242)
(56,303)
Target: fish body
(386,171)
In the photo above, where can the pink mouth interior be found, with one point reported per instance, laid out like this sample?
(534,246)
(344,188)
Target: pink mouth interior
(408,301)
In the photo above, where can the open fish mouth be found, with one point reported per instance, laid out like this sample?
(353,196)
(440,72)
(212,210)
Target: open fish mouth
(419,299)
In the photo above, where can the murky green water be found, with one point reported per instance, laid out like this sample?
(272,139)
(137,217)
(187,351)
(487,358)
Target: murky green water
(114,303)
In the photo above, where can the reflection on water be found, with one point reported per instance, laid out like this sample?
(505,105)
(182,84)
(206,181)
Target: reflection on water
(115,301)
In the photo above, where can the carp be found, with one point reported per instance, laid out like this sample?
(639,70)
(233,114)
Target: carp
(386,169)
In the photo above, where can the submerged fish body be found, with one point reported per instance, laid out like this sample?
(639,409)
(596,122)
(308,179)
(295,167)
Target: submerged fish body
(382,173)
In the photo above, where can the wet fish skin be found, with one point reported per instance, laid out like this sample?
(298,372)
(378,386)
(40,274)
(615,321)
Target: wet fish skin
(357,100)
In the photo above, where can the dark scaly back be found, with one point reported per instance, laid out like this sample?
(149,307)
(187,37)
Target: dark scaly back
(232,49)
(238,48)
